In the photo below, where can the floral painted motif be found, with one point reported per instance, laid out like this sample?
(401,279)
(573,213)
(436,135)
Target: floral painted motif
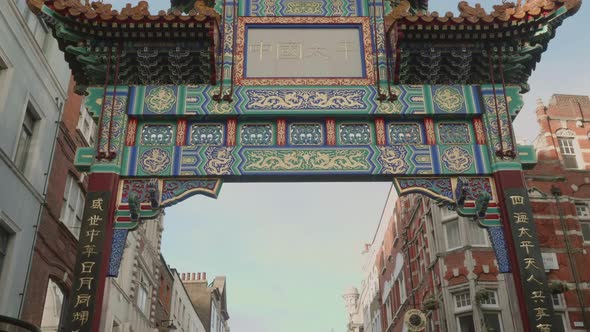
(259,134)
(305,134)
(454,133)
(206,134)
(156,135)
(448,99)
(405,134)
(154,161)
(457,159)
(355,134)
(160,100)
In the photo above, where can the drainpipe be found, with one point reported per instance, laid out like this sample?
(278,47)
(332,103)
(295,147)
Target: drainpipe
(556,192)
(60,105)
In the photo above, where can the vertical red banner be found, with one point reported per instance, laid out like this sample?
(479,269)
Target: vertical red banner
(231,131)
(131,132)
(281,132)
(181,132)
(429,129)
(480,133)
(330,131)
(380,131)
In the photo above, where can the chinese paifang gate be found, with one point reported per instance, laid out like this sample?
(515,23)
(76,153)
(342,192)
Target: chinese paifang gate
(315,90)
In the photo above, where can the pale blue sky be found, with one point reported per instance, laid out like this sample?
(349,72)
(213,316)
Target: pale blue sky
(289,250)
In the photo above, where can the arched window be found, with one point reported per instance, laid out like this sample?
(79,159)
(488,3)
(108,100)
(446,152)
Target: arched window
(568,147)
(53,308)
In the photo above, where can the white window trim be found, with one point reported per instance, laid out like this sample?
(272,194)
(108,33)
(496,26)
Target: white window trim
(80,195)
(444,226)
(90,135)
(565,133)
(485,306)
(496,312)
(583,219)
(463,309)
(486,238)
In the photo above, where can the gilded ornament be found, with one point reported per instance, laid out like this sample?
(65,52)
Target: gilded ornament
(355,134)
(392,159)
(258,134)
(457,159)
(415,320)
(448,99)
(305,134)
(206,134)
(306,99)
(160,100)
(303,7)
(454,133)
(405,134)
(219,160)
(154,161)
(156,135)
(306,160)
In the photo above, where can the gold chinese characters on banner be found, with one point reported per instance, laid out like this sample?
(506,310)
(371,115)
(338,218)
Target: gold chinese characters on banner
(86,271)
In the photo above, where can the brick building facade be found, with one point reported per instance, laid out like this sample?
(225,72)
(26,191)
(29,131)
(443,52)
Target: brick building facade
(50,277)
(560,196)
(433,260)
(430,259)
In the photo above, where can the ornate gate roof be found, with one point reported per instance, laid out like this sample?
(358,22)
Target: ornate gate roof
(167,47)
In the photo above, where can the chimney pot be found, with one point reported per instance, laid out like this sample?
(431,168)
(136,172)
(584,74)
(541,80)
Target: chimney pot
(199,276)
(194,275)
(182,276)
(204,275)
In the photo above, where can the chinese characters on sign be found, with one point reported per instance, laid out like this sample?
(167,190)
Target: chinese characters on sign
(304,52)
(86,271)
(528,254)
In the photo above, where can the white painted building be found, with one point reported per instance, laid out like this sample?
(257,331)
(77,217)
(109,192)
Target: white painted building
(130,299)
(33,86)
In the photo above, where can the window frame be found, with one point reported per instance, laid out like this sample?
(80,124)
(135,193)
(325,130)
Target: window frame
(445,225)
(584,220)
(89,134)
(567,151)
(4,246)
(73,224)
(470,227)
(143,285)
(463,314)
(464,310)
(492,306)
(23,155)
(63,306)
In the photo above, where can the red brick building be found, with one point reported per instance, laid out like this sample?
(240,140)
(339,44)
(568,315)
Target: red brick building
(50,276)
(559,188)
(433,260)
